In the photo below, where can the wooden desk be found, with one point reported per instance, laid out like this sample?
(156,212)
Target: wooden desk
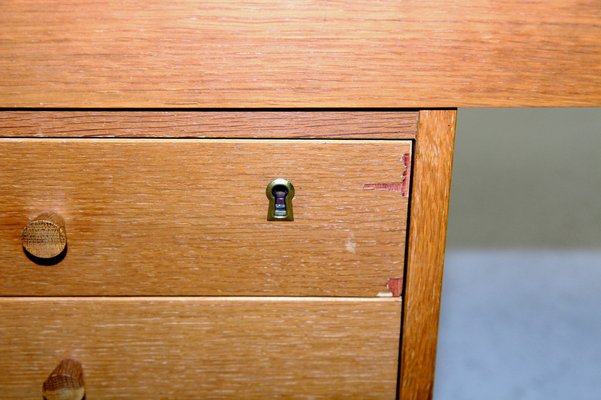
(152,128)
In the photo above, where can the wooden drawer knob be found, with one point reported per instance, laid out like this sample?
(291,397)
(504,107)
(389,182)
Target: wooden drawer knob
(45,236)
(65,382)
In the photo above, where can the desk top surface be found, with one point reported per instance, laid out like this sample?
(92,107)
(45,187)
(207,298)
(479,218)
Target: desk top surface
(300,53)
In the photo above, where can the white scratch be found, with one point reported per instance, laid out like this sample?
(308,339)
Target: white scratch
(350,245)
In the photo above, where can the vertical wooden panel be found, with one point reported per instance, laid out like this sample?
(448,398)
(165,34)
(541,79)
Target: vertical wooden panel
(427,234)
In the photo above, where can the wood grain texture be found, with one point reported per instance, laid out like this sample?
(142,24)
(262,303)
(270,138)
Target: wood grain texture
(189,217)
(255,124)
(201,348)
(300,53)
(425,258)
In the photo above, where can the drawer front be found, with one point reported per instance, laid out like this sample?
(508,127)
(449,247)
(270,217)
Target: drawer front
(211,125)
(189,217)
(184,348)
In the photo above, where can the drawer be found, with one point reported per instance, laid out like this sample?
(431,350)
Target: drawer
(189,216)
(211,124)
(195,348)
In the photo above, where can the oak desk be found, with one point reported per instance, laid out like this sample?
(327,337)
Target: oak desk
(143,232)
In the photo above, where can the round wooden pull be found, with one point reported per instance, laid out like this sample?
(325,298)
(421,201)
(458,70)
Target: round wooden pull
(65,382)
(45,236)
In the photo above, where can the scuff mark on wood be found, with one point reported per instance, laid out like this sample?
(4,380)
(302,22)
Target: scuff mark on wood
(390,187)
(406,175)
(351,245)
(395,285)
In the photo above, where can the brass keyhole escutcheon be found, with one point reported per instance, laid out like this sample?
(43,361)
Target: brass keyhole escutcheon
(280,193)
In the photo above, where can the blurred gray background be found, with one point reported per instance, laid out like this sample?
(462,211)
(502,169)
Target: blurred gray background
(521,308)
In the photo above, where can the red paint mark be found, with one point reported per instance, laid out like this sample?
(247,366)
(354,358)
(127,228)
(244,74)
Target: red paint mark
(402,186)
(395,285)
(406,175)
(390,187)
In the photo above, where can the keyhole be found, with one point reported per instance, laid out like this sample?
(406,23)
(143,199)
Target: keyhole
(280,193)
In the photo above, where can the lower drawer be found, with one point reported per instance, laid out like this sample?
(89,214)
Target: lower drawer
(194,348)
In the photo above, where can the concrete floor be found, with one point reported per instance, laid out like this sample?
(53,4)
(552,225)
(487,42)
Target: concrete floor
(520,325)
